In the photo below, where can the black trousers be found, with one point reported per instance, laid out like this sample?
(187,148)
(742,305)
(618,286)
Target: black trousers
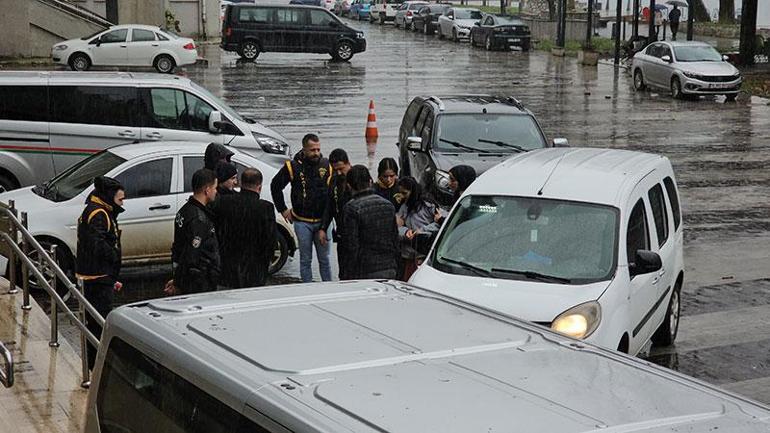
(100,294)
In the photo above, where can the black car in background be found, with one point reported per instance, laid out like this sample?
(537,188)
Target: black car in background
(437,134)
(499,32)
(252,29)
(427,16)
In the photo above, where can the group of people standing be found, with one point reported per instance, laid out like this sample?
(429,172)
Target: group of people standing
(226,239)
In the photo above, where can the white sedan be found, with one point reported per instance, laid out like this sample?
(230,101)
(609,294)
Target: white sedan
(127,45)
(157,178)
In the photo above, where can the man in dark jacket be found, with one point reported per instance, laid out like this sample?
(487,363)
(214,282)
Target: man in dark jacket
(370,231)
(673,19)
(98,251)
(227,178)
(195,252)
(248,230)
(339,195)
(309,174)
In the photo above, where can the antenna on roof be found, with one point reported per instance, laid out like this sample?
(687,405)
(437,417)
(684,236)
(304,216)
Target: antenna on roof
(553,170)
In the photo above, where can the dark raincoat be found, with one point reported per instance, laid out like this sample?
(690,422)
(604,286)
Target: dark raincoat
(216,153)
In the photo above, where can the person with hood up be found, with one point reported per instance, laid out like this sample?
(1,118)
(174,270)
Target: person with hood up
(416,212)
(98,251)
(309,174)
(216,153)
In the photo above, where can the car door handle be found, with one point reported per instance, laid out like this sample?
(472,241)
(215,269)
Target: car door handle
(127,133)
(155,45)
(159,206)
(124,46)
(154,135)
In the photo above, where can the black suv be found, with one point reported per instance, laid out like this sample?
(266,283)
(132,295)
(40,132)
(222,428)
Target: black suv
(480,130)
(250,30)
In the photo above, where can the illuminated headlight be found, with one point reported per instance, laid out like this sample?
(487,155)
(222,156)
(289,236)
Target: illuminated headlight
(580,321)
(271,145)
(442,181)
(692,75)
(60,48)
(360,35)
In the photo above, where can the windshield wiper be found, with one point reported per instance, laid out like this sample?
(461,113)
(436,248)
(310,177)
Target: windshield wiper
(534,275)
(463,146)
(504,144)
(480,271)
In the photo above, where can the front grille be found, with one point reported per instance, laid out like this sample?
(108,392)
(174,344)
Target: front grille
(718,78)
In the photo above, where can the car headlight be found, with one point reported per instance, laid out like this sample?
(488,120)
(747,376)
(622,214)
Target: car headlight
(360,35)
(692,75)
(60,48)
(271,145)
(442,181)
(580,321)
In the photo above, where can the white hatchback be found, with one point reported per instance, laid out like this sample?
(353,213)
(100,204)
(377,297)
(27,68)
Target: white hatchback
(127,45)
(585,241)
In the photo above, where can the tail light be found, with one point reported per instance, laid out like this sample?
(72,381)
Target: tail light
(189,46)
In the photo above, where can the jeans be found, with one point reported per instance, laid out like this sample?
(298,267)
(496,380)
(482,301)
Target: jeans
(307,235)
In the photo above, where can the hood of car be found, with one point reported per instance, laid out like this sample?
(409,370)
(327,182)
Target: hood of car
(26,200)
(709,68)
(479,161)
(466,23)
(528,300)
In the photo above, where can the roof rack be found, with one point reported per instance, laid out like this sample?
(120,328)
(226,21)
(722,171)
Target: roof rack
(515,102)
(438,101)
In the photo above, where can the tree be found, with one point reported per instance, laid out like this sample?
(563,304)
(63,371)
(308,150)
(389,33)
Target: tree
(727,11)
(699,11)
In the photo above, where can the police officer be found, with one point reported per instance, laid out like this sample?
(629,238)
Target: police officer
(195,252)
(309,174)
(339,195)
(98,251)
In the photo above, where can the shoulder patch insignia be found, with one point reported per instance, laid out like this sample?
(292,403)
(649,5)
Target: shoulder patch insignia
(196,242)
(322,171)
(179,220)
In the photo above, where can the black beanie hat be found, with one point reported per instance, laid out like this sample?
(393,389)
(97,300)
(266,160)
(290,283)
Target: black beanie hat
(225,171)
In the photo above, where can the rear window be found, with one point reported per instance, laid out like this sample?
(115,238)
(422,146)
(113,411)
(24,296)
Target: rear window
(133,383)
(26,103)
(94,105)
(254,15)
(659,213)
(674,199)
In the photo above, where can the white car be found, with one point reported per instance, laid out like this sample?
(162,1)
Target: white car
(384,10)
(127,45)
(405,12)
(157,178)
(457,23)
(585,241)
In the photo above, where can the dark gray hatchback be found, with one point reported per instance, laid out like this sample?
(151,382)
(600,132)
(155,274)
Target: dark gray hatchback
(253,29)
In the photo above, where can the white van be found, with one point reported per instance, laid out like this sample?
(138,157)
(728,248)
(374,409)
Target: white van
(585,241)
(378,356)
(51,120)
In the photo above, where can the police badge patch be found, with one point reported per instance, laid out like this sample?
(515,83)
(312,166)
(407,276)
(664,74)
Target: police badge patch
(322,171)
(196,242)
(179,220)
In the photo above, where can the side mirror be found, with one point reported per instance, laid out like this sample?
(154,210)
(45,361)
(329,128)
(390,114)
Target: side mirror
(560,142)
(666,59)
(645,262)
(725,58)
(215,122)
(414,144)
(98,41)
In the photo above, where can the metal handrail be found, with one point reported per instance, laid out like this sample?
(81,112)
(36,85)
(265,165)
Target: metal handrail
(6,375)
(45,262)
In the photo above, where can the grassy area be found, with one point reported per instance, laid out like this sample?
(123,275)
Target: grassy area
(757,84)
(496,9)
(603,46)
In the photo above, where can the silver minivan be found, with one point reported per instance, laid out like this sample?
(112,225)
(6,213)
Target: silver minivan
(378,356)
(51,120)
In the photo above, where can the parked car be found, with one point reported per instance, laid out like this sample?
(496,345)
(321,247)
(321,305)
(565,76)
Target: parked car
(585,241)
(405,12)
(127,45)
(378,356)
(495,32)
(359,9)
(250,30)
(686,69)
(456,23)
(51,120)
(384,10)
(426,18)
(481,131)
(157,180)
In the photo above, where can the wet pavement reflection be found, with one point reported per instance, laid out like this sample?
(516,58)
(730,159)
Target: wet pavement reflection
(720,152)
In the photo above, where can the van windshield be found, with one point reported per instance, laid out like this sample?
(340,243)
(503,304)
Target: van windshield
(220,103)
(80,176)
(490,133)
(524,238)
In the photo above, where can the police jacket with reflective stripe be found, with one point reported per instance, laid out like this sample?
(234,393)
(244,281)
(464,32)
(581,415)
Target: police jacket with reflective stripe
(309,187)
(98,251)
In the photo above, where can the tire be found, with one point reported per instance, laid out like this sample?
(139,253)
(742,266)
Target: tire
(64,259)
(639,80)
(343,51)
(281,254)
(665,335)
(7,182)
(414,28)
(249,51)
(731,97)
(164,64)
(395,23)
(676,88)
(439,33)
(80,62)
(525,47)
(488,43)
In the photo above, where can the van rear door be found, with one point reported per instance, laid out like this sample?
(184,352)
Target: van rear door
(88,118)
(25,153)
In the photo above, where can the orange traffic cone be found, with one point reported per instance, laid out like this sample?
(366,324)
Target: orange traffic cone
(371,122)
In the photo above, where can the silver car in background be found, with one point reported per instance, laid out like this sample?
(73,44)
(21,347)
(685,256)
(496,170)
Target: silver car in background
(686,68)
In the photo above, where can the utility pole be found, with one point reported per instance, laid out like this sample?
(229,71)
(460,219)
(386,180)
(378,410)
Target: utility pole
(589,24)
(748,31)
(562,32)
(636,18)
(690,19)
(618,18)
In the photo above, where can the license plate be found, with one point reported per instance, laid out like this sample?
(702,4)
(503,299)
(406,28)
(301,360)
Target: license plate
(514,40)
(717,86)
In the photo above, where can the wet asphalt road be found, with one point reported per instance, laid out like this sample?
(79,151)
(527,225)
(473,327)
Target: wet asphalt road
(720,152)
